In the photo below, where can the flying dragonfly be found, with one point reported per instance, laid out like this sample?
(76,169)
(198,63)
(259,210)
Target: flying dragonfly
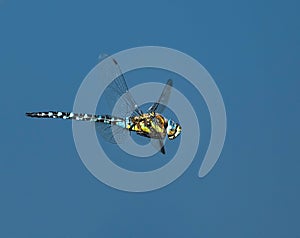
(128,117)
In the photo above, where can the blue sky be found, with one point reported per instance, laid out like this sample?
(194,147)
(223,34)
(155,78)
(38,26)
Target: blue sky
(251,48)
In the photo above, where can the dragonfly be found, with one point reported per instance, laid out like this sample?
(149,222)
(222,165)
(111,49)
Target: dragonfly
(128,117)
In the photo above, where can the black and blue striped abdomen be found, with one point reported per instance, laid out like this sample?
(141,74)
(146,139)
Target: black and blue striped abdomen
(107,119)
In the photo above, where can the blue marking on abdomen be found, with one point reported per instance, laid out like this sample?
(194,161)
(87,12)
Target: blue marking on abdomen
(121,124)
(107,119)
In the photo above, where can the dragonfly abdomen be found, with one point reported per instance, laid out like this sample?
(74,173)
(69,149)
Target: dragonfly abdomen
(64,115)
(107,119)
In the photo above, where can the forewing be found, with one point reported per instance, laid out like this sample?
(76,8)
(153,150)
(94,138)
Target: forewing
(120,102)
(117,91)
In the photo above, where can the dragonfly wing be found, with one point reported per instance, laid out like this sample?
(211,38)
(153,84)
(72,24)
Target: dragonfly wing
(119,99)
(117,91)
(163,100)
(159,145)
(157,137)
(112,133)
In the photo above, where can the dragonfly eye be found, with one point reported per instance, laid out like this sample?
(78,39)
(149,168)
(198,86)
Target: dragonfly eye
(173,130)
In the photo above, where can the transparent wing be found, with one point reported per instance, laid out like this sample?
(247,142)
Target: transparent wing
(120,102)
(157,139)
(117,91)
(159,145)
(112,133)
(163,100)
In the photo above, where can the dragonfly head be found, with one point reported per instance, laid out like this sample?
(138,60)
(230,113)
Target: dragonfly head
(173,129)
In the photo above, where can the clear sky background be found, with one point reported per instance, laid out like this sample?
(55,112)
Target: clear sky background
(251,48)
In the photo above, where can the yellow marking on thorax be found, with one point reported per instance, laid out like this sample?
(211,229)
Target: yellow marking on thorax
(140,126)
(144,128)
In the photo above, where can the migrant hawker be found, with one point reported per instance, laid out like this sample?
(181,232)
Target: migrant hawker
(151,124)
